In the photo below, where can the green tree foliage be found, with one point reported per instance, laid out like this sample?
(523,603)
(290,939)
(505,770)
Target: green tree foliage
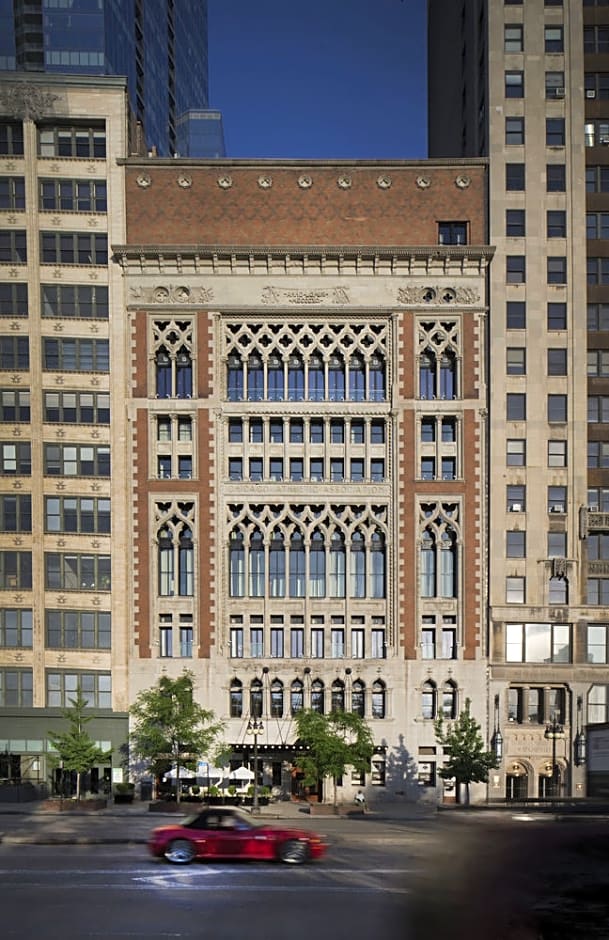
(170,728)
(333,742)
(75,749)
(468,760)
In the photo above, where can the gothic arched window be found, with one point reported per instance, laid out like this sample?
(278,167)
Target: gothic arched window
(317,696)
(358,701)
(236,699)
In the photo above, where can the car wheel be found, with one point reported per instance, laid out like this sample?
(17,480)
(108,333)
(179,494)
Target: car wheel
(294,852)
(180,852)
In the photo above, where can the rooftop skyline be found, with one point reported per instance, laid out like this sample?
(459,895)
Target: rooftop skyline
(337,79)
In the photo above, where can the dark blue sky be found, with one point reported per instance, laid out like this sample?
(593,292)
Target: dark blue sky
(320,79)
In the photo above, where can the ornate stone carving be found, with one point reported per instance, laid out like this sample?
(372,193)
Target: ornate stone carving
(305,182)
(344,181)
(384,181)
(265,181)
(171,293)
(185,182)
(144,180)
(25,101)
(437,295)
(225,182)
(463,182)
(423,182)
(297,296)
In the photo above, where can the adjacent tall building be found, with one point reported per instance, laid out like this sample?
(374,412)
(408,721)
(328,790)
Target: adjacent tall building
(159,46)
(525,83)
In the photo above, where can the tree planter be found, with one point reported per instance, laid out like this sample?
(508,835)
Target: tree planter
(166,806)
(123,798)
(73,806)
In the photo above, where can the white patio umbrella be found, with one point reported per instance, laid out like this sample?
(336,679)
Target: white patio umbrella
(184,774)
(241,773)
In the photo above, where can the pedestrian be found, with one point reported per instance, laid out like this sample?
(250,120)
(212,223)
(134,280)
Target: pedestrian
(360,800)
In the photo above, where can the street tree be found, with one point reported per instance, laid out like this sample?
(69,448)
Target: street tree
(333,742)
(76,751)
(169,728)
(468,761)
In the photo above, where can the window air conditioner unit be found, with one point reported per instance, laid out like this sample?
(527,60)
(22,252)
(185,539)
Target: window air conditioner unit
(557,507)
(559,92)
(590,93)
(516,507)
(603,140)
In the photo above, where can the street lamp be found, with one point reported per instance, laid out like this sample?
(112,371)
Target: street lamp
(255,727)
(554,731)
(497,739)
(580,737)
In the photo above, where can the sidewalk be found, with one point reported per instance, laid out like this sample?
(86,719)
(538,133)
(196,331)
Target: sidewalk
(30,824)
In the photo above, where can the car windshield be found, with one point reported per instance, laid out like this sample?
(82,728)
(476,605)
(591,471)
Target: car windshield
(238,819)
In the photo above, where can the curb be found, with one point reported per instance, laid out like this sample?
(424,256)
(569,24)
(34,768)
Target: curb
(68,840)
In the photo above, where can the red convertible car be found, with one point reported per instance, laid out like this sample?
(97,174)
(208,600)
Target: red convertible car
(229,833)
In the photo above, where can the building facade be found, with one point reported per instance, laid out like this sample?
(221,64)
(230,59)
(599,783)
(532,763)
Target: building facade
(159,46)
(522,81)
(62,557)
(306,406)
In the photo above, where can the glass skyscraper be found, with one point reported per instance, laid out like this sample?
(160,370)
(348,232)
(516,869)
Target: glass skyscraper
(159,45)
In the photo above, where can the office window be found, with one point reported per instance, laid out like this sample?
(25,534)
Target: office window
(14,406)
(428,468)
(557,408)
(515,544)
(516,315)
(14,353)
(514,177)
(555,84)
(515,223)
(598,499)
(516,406)
(514,130)
(596,38)
(15,628)
(555,132)
(598,591)
(79,408)
(597,645)
(597,179)
(557,270)
(277,642)
(235,467)
(557,316)
(515,269)
(598,317)
(75,355)
(236,642)
(11,138)
(538,643)
(514,84)
(13,300)
(15,570)
(557,544)
(597,270)
(556,223)
(556,178)
(13,247)
(16,513)
(598,454)
(16,688)
(557,453)
(316,431)
(516,360)
(337,638)
(317,643)
(598,409)
(452,233)
(15,459)
(513,38)
(597,225)
(598,363)
(74,300)
(557,361)
(516,497)
(516,452)
(62,195)
(12,192)
(357,643)
(78,629)
(72,141)
(78,514)
(596,85)
(76,460)
(514,590)
(553,38)
(377,470)
(77,572)
(73,248)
